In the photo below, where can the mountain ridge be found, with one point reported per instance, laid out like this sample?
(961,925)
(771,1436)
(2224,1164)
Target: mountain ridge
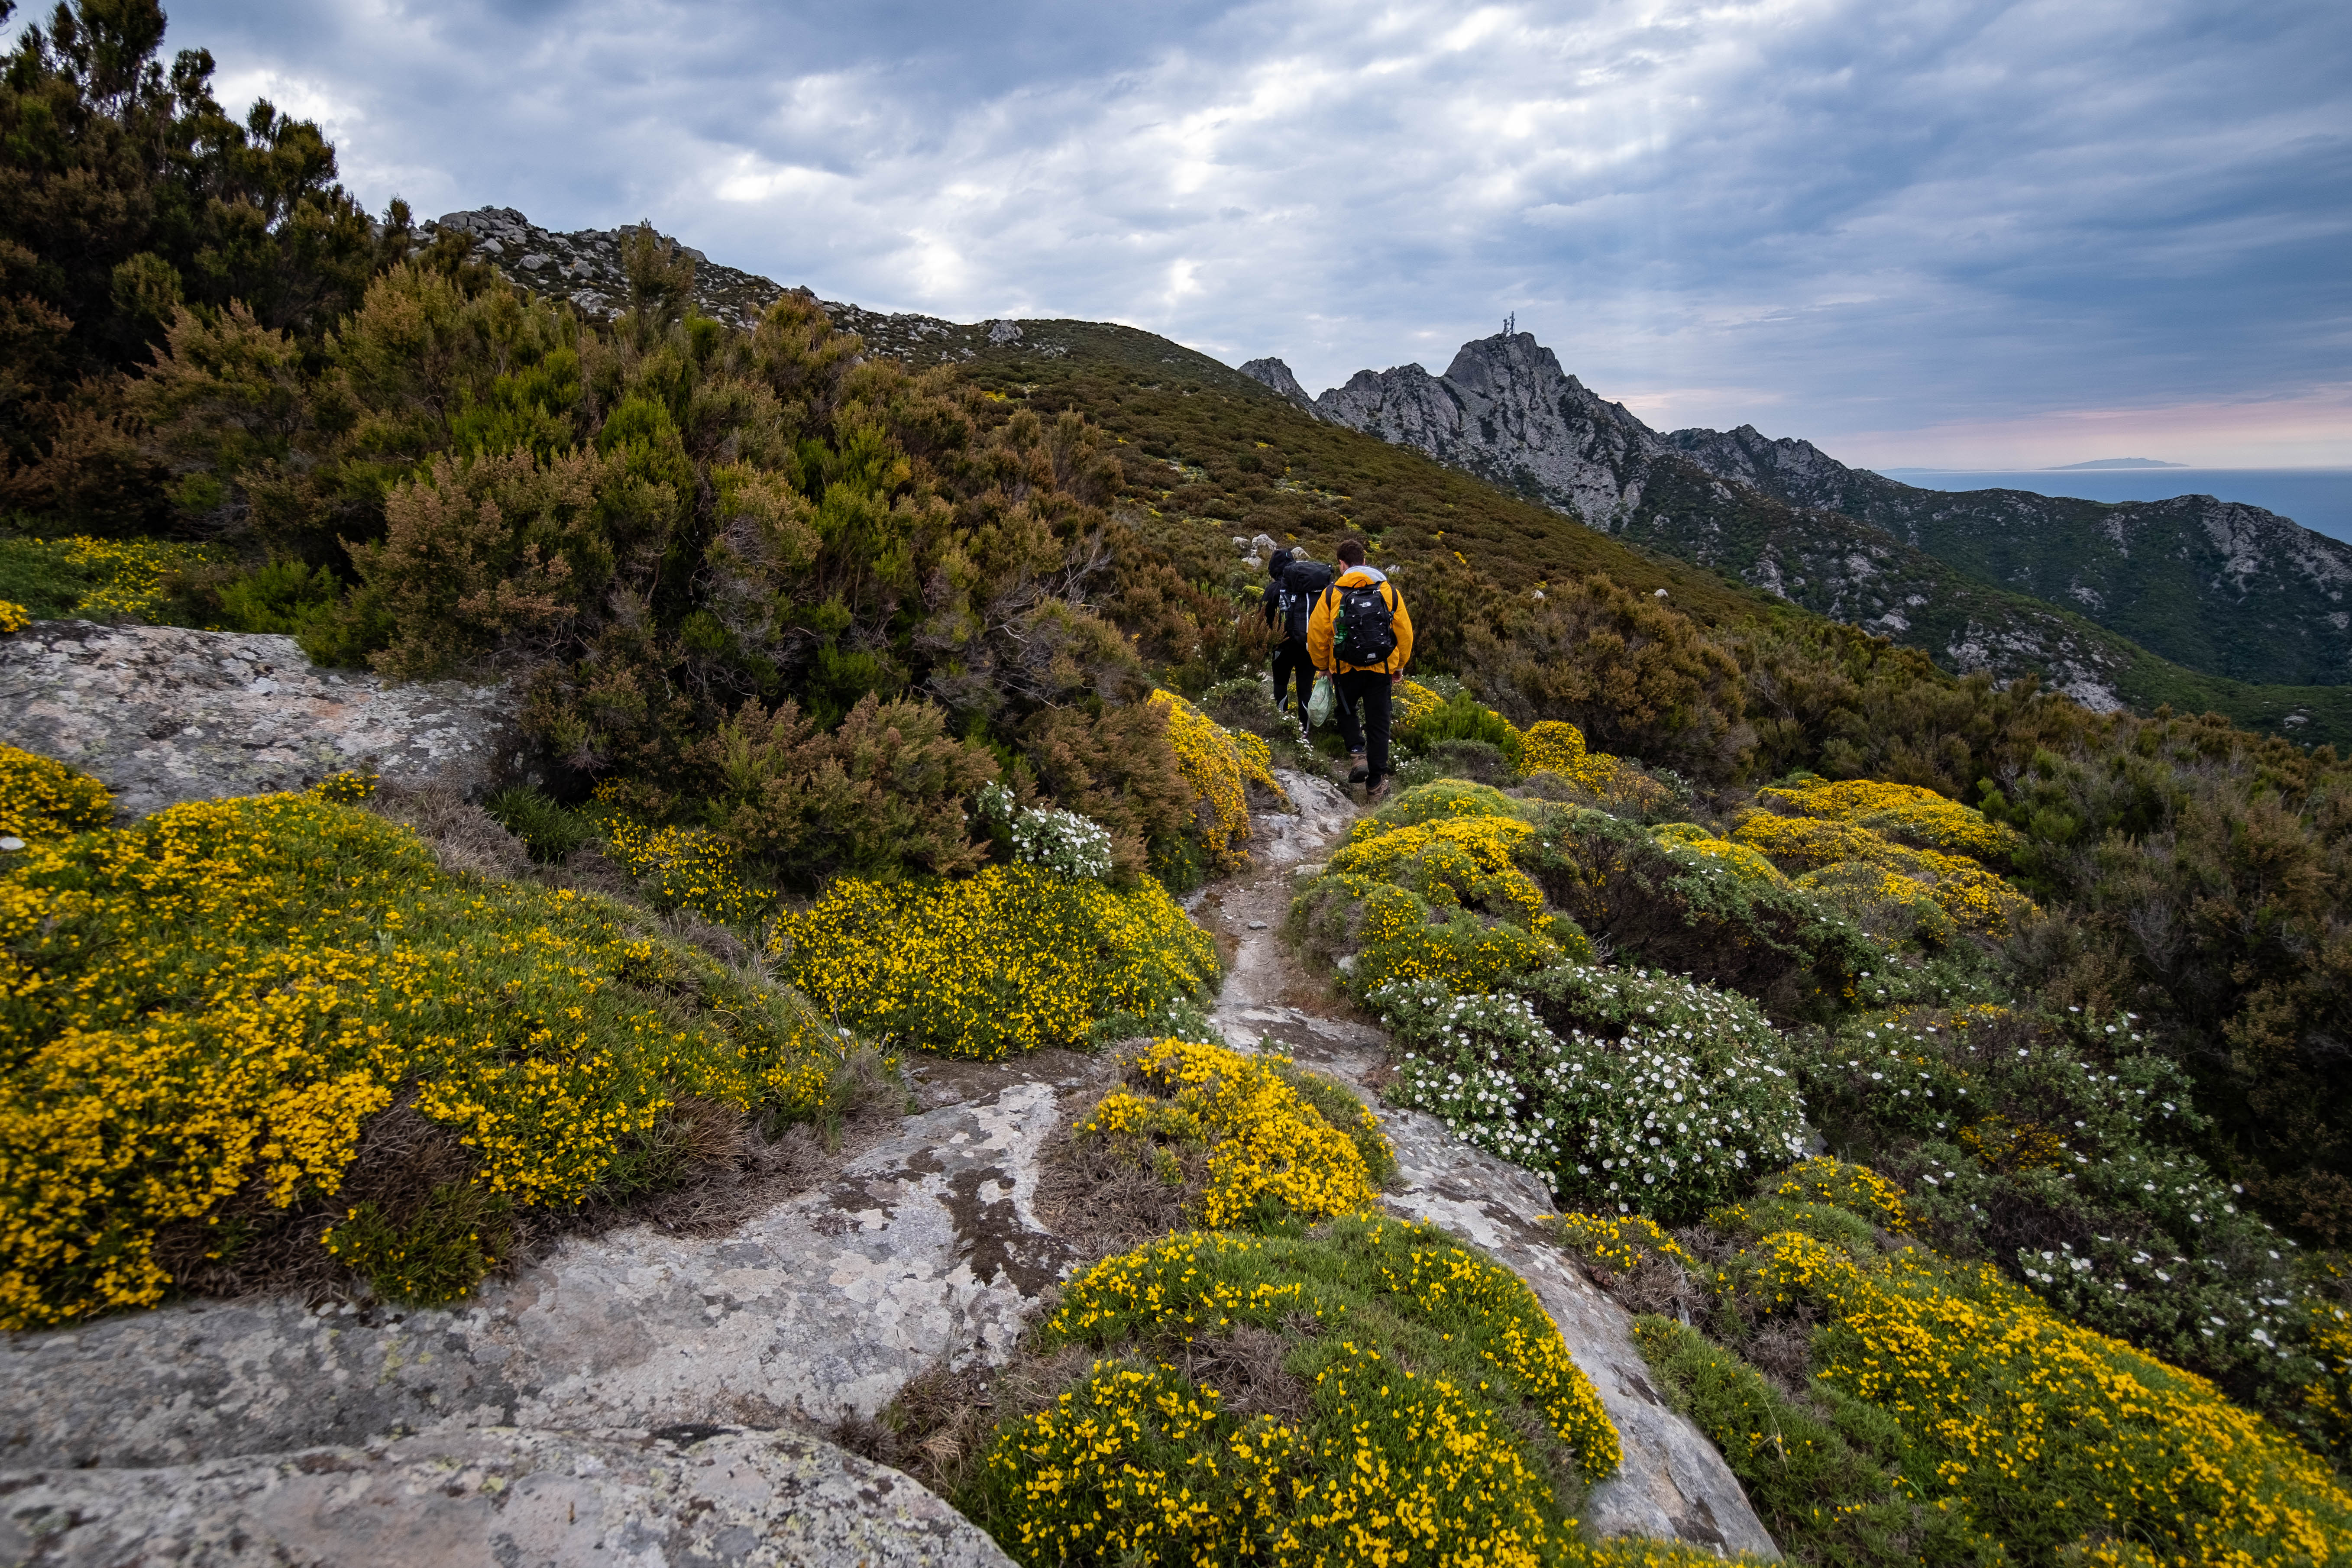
(2229,590)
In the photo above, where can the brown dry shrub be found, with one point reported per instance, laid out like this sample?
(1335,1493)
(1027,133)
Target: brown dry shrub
(1117,766)
(880,797)
(493,555)
(461,835)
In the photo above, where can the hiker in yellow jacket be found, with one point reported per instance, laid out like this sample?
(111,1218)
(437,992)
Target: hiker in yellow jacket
(1360,636)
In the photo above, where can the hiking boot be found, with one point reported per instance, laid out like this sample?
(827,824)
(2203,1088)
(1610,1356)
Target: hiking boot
(1376,792)
(1357,772)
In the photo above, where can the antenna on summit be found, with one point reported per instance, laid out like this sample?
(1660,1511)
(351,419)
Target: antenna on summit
(1511,323)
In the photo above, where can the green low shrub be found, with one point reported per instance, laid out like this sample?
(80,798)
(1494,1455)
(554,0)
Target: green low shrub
(2065,1153)
(2018,1437)
(1663,905)
(550,831)
(1828,1485)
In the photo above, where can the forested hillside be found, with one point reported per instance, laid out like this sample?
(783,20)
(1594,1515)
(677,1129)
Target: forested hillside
(2230,590)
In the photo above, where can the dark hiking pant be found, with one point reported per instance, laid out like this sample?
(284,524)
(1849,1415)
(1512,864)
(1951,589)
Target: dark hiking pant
(1291,663)
(1363,706)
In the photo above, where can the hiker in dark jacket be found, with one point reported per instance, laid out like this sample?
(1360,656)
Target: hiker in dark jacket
(1360,636)
(1292,582)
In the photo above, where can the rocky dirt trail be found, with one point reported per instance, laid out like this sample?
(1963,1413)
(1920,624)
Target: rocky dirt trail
(1673,1482)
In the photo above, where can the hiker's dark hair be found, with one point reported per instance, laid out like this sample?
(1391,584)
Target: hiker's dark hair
(1351,551)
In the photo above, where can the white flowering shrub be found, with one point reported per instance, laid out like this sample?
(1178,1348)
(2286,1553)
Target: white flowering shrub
(2058,1151)
(1063,841)
(996,804)
(1632,1091)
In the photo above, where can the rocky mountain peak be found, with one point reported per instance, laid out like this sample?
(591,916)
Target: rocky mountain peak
(1507,411)
(1276,378)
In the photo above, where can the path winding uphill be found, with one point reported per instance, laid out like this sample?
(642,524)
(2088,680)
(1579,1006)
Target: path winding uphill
(1672,1483)
(662,1396)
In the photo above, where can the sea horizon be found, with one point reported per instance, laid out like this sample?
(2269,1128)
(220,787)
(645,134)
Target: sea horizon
(2320,498)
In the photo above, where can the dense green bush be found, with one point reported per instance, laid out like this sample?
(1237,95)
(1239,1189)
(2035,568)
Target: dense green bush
(548,829)
(1665,907)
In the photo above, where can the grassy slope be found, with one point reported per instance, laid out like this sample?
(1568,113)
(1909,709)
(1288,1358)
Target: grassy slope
(1243,462)
(1310,480)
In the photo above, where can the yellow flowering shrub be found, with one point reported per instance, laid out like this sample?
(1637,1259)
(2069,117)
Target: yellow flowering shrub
(1856,1188)
(1464,861)
(1621,1241)
(120,579)
(1007,961)
(40,797)
(214,1001)
(1398,939)
(1972,897)
(1257,763)
(2043,1435)
(2329,1332)
(1271,1150)
(13,616)
(1217,765)
(1806,843)
(682,868)
(1848,859)
(1432,802)
(1410,703)
(1917,816)
(1742,862)
(1428,888)
(1434,1385)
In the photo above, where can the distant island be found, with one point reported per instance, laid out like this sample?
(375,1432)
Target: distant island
(2117,463)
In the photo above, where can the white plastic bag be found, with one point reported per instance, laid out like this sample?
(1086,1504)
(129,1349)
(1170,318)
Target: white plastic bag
(1321,701)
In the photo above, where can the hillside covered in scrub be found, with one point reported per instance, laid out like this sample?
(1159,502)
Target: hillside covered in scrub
(909,993)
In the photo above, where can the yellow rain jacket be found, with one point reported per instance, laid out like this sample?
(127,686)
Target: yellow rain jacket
(1324,623)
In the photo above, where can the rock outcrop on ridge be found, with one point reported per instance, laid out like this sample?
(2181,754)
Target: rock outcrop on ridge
(1275,377)
(164,714)
(1505,411)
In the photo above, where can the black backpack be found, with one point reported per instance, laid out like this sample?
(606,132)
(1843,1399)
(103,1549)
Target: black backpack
(1302,583)
(1366,633)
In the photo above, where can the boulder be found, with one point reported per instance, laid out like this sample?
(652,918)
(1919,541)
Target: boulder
(924,1249)
(498,1499)
(1672,1483)
(164,714)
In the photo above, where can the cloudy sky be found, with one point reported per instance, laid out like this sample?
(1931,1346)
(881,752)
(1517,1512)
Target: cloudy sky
(1917,231)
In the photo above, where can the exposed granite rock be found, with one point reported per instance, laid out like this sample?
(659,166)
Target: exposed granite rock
(923,1249)
(1505,411)
(1672,1483)
(512,1499)
(1277,379)
(163,715)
